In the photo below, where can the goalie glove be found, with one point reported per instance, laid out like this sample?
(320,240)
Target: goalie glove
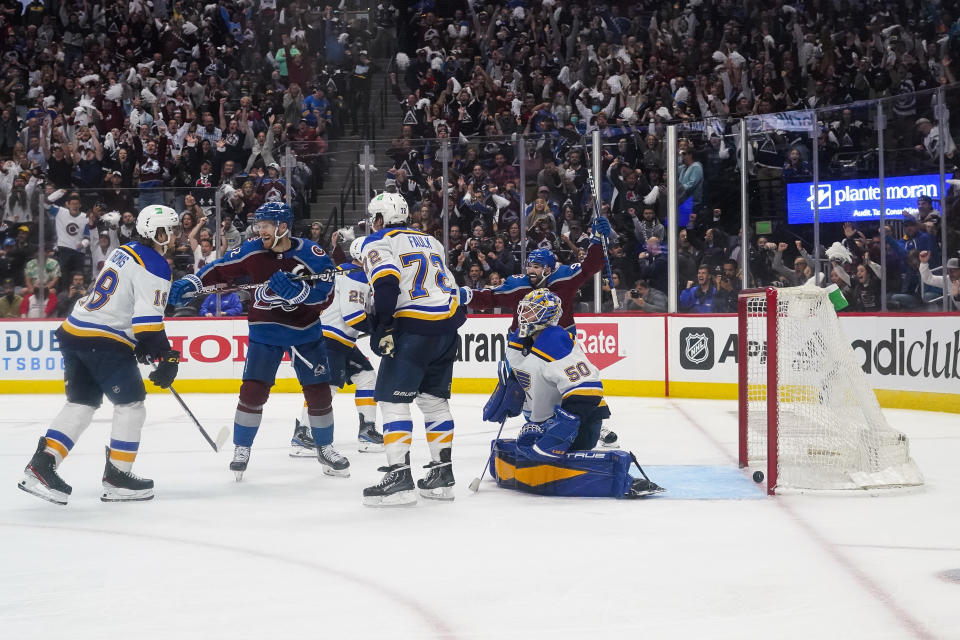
(507,399)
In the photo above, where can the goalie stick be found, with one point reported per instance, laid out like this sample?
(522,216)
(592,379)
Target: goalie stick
(475,483)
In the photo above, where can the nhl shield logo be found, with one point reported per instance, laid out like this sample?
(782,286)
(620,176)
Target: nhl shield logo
(696,348)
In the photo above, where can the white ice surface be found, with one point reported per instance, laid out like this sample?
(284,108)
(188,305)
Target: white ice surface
(291,553)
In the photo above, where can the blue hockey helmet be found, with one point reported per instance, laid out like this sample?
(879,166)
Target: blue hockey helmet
(538,310)
(275,212)
(542,257)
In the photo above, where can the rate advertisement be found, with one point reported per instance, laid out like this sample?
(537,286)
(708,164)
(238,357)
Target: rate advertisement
(902,353)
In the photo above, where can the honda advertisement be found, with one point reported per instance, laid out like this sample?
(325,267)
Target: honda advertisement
(853,200)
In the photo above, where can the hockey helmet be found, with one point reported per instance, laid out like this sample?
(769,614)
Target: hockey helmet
(391,207)
(542,257)
(275,212)
(153,218)
(356,246)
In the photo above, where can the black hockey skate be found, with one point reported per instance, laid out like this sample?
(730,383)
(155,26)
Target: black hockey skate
(40,477)
(302,444)
(241,456)
(438,485)
(369,439)
(641,487)
(124,486)
(608,438)
(395,489)
(332,462)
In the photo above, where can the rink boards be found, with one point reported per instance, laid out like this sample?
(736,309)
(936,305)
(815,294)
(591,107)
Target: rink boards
(912,361)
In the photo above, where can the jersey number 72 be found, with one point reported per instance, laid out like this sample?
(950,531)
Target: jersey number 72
(422,263)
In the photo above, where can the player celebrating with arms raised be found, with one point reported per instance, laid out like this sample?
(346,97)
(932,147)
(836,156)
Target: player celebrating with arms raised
(416,317)
(119,322)
(284,317)
(543,273)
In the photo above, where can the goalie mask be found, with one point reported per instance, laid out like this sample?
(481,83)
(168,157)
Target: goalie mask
(156,217)
(538,310)
(390,207)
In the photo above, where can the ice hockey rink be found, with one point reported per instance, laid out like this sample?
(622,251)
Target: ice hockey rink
(291,553)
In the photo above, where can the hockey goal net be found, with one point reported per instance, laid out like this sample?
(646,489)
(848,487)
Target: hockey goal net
(806,407)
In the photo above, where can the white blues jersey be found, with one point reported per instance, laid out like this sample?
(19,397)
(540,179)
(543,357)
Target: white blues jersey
(126,303)
(554,371)
(408,272)
(349,307)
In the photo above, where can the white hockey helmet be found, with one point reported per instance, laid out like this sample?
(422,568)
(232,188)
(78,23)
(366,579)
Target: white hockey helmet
(391,207)
(155,217)
(355,247)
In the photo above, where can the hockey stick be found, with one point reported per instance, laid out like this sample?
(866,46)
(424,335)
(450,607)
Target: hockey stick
(326,276)
(475,483)
(221,436)
(603,239)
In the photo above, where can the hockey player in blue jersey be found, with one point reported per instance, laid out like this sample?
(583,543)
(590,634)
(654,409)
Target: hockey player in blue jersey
(562,399)
(342,323)
(416,317)
(284,318)
(119,322)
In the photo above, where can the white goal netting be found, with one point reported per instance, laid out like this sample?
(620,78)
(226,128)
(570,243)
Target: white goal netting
(830,431)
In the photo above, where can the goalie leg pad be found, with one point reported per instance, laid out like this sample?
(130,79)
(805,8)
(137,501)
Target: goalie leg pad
(578,473)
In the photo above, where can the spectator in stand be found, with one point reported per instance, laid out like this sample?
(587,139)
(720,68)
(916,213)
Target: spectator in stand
(69,296)
(698,297)
(865,295)
(645,298)
(36,306)
(10,302)
(230,305)
(949,285)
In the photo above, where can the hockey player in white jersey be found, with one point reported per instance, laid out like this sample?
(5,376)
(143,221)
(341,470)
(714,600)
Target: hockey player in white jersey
(414,330)
(563,403)
(343,321)
(119,322)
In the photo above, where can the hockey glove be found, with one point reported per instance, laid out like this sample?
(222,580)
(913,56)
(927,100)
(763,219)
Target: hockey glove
(600,228)
(289,289)
(166,371)
(183,288)
(465,295)
(382,341)
(144,354)
(507,399)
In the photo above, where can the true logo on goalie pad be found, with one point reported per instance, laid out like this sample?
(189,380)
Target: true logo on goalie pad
(696,348)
